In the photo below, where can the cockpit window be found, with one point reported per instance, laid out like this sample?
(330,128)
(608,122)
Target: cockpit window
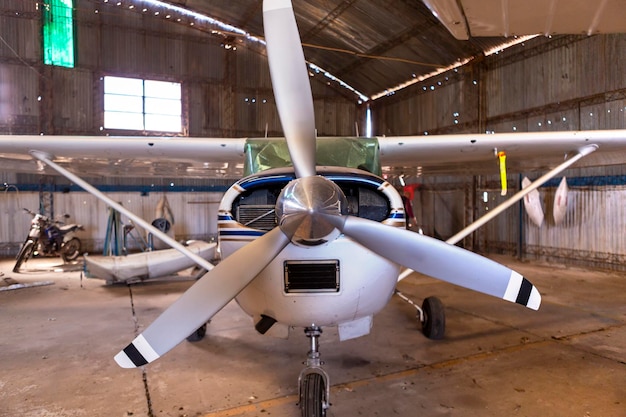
(359,153)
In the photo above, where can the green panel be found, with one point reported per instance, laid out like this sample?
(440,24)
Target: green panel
(58,33)
(361,153)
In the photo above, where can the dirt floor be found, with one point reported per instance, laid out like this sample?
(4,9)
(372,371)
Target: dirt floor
(60,331)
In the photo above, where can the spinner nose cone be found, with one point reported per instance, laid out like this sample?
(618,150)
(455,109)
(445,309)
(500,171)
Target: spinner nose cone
(303,206)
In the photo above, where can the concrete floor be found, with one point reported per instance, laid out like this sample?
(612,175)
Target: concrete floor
(57,344)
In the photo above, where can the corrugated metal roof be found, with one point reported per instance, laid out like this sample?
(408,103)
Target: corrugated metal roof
(370,45)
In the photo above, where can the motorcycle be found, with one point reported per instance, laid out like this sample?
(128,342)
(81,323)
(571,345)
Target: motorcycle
(49,238)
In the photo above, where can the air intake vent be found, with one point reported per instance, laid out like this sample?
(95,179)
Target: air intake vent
(311,276)
(260,217)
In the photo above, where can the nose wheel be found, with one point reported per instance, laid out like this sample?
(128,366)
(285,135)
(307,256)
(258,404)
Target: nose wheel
(314,389)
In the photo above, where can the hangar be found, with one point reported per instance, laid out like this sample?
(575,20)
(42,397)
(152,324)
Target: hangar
(158,108)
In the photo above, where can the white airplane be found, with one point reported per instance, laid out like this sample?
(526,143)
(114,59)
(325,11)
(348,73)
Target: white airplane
(317,238)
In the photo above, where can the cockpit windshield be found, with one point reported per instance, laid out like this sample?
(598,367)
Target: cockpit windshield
(359,153)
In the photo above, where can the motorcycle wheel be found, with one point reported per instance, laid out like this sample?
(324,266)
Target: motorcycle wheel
(24,254)
(71,249)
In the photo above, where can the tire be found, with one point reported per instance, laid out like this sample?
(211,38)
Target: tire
(24,254)
(313,392)
(71,249)
(198,335)
(434,324)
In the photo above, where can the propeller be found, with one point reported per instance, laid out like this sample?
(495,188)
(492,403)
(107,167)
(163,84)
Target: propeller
(420,253)
(311,211)
(290,81)
(440,260)
(202,300)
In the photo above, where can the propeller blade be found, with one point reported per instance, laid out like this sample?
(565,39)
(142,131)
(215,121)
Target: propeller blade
(440,260)
(201,301)
(290,79)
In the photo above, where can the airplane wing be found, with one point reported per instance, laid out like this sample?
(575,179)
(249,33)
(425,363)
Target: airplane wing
(472,18)
(127,156)
(174,157)
(477,153)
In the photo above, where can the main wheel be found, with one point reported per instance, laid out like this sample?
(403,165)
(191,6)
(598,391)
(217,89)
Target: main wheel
(24,254)
(434,324)
(71,249)
(198,335)
(313,394)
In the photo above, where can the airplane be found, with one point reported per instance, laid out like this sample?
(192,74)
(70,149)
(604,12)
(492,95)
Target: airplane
(313,236)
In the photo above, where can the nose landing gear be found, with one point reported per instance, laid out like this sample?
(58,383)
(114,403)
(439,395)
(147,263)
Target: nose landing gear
(314,389)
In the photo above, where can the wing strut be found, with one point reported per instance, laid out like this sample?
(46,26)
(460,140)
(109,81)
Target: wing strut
(580,153)
(46,158)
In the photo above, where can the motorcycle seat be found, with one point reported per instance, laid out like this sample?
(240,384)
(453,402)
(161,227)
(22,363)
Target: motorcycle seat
(66,227)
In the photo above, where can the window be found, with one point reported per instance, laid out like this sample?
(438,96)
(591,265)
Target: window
(58,33)
(136,104)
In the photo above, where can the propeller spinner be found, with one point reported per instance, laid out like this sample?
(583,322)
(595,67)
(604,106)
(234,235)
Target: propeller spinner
(303,207)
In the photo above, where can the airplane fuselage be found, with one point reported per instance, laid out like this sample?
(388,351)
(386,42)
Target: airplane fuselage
(339,283)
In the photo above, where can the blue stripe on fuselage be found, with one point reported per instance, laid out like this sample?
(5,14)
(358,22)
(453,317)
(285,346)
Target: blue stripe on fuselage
(240,232)
(262,180)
